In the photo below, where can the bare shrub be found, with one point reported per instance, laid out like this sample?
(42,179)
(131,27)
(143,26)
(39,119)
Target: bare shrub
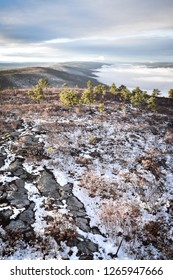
(120,218)
(152,162)
(96,185)
(83,160)
(61,227)
(157,234)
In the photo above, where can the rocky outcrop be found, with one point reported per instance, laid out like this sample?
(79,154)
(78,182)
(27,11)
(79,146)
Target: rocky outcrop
(48,186)
(18,210)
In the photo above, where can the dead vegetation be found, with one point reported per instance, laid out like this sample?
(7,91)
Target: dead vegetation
(120,218)
(61,227)
(96,185)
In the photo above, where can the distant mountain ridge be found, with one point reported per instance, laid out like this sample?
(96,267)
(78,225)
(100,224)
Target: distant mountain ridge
(72,73)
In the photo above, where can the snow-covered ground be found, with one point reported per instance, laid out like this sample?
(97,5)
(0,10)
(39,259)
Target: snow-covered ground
(120,165)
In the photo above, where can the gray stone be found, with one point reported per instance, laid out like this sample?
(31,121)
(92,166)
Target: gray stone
(20,183)
(15,134)
(5,215)
(48,186)
(28,140)
(17,169)
(2,159)
(81,213)
(31,206)
(19,201)
(74,203)
(68,187)
(16,226)
(95,230)
(86,257)
(83,224)
(27,216)
(87,247)
(67,190)
(18,194)
(19,172)
(2,162)
(14,166)
(3,196)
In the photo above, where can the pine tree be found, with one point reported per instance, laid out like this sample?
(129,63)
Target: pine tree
(69,97)
(113,89)
(170,93)
(138,97)
(43,83)
(151,103)
(100,90)
(38,91)
(155,92)
(64,85)
(87,96)
(90,85)
(126,94)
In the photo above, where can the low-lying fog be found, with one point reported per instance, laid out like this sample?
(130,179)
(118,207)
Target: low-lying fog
(146,77)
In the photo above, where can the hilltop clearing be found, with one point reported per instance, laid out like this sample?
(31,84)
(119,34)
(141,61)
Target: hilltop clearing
(83,183)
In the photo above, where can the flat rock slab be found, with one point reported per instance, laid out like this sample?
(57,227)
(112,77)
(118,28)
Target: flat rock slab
(74,204)
(17,194)
(48,186)
(83,224)
(16,226)
(87,247)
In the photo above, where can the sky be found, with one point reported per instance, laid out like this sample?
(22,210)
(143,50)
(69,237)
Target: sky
(86,30)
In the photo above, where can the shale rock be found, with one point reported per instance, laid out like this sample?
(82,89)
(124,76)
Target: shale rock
(27,216)
(87,247)
(5,216)
(28,140)
(48,186)
(17,195)
(74,204)
(2,159)
(17,226)
(83,224)
(16,167)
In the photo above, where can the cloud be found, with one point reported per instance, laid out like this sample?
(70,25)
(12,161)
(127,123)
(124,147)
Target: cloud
(76,18)
(117,46)
(102,28)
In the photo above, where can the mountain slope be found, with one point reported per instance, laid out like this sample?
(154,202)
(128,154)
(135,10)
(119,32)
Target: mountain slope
(76,73)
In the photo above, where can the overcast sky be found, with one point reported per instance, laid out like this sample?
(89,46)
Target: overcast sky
(99,30)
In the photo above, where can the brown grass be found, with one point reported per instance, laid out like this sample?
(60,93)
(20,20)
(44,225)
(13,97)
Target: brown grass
(120,218)
(96,185)
(62,227)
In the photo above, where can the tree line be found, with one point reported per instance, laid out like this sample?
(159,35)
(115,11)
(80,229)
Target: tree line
(71,97)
